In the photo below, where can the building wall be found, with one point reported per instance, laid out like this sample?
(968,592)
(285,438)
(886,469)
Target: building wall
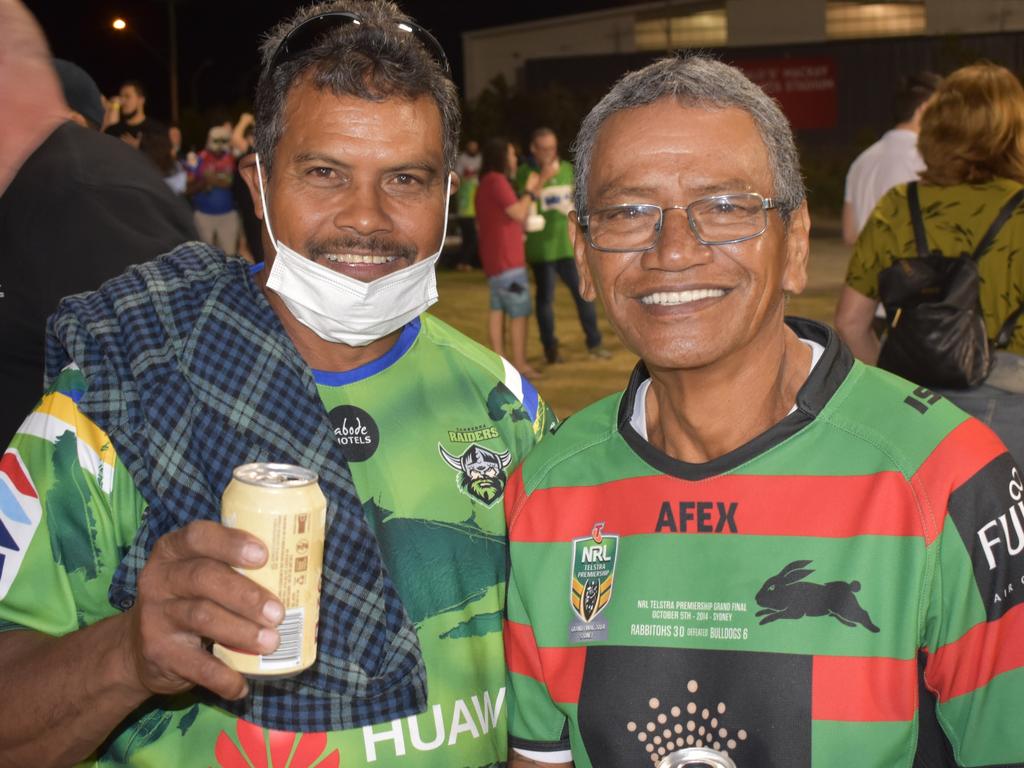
(505,50)
(488,53)
(753,22)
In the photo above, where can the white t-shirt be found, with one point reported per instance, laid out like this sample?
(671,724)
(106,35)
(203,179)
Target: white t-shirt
(468,166)
(891,160)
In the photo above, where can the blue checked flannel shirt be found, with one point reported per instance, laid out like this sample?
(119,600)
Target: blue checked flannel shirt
(191,374)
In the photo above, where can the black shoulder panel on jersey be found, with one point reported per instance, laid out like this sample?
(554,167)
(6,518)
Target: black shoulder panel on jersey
(988,511)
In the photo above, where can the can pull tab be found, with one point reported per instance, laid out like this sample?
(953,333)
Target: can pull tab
(696,757)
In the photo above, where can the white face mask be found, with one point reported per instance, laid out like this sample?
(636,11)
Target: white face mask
(340,308)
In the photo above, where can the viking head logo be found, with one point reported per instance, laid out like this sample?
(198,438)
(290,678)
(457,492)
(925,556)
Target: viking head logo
(481,472)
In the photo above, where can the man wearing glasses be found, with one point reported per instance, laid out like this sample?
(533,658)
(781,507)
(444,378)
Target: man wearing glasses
(747,550)
(116,576)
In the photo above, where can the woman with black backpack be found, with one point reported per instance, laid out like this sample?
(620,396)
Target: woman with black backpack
(945,256)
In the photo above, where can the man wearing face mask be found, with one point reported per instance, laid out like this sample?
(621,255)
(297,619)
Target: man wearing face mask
(117,576)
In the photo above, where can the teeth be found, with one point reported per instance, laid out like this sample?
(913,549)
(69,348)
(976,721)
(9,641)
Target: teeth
(357,258)
(670,298)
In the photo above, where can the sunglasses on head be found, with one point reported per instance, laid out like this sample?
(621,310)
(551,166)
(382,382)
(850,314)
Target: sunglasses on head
(305,36)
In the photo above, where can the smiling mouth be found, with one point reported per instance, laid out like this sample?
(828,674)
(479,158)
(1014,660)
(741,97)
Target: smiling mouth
(676,298)
(358,258)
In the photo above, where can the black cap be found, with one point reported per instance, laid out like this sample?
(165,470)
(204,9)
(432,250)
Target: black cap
(80,91)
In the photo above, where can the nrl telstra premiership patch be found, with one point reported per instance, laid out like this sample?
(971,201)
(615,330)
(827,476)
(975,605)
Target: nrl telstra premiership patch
(590,584)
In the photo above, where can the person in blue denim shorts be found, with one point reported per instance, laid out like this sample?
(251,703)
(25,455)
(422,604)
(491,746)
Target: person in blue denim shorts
(500,216)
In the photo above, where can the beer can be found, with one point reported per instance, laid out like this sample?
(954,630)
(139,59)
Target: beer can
(697,757)
(283,506)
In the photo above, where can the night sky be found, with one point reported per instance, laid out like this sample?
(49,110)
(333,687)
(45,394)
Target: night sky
(217,40)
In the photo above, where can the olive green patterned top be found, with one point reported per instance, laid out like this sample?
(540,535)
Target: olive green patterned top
(955,220)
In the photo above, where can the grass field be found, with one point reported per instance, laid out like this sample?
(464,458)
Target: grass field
(580,380)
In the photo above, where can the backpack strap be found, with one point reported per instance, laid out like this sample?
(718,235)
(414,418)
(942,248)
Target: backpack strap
(1006,331)
(920,238)
(1004,213)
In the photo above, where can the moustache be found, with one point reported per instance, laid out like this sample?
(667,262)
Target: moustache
(372,246)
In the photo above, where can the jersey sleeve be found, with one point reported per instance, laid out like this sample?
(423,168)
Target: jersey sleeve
(975,612)
(537,728)
(68,511)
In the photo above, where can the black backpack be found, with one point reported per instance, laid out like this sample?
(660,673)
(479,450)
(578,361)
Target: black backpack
(936,333)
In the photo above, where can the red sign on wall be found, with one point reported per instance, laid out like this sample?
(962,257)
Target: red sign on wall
(805,88)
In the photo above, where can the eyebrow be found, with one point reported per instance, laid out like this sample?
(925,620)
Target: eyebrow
(708,189)
(321,157)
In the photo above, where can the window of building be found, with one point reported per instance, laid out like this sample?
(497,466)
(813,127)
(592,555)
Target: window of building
(682,28)
(849,19)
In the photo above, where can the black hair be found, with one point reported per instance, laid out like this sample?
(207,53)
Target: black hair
(139,87)
(372,60)
(914,91)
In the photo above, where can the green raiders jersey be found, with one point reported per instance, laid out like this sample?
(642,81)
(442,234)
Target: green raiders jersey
(771,603)
(554,203)
(431,431)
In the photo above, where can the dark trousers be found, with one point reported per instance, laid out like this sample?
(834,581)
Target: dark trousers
(468,255)
(544,274)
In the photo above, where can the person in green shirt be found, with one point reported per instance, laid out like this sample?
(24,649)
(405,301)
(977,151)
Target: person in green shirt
(548,251)
(115,572)
(467,165)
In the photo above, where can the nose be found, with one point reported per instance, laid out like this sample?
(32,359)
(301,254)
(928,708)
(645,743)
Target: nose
(362,209)
(678,247)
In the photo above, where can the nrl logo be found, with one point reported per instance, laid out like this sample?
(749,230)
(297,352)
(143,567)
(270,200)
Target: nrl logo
(593,569)
(481,472)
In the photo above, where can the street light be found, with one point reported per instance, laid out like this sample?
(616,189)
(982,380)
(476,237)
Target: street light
(121,25)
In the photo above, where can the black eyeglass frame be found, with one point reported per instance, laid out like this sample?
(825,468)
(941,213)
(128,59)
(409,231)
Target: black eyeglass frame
(304,37)
(767,204)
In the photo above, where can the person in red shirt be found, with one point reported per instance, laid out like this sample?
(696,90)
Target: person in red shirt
(500,215)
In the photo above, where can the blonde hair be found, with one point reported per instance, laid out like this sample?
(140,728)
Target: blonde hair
(973,129)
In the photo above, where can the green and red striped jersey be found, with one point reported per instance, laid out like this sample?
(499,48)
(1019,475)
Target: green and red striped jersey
(771,603)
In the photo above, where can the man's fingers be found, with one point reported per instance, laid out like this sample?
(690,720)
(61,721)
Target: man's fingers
(205,538)
(207,619)
(202,668)
(206,579)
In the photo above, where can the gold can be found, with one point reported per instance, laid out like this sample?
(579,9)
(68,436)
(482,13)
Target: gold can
(283,506)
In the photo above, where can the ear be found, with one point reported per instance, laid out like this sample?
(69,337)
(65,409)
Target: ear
(456,183)
(578,238)
(798,248)
(248,171)
(794,576)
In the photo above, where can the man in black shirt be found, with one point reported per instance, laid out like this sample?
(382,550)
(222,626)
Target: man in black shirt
(76,208)
(133,122)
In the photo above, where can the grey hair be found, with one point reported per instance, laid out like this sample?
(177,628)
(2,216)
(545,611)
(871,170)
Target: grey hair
(696,80)
(373,60)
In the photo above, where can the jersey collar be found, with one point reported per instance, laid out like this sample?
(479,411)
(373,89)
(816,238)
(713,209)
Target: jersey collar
(821,384)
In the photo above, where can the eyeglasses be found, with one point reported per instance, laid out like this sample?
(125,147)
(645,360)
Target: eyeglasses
(306,35)
(716,220)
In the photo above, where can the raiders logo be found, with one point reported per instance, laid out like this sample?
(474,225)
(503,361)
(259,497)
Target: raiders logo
(481,472)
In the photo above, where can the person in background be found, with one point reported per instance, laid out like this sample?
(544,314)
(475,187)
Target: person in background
(891,160)
(326,357)
(159,149)
(250,245)
(76,207)
(126,115)
(754,547)
(500,216)
(972,142)
(209,187)
(548,250)
(468,167)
